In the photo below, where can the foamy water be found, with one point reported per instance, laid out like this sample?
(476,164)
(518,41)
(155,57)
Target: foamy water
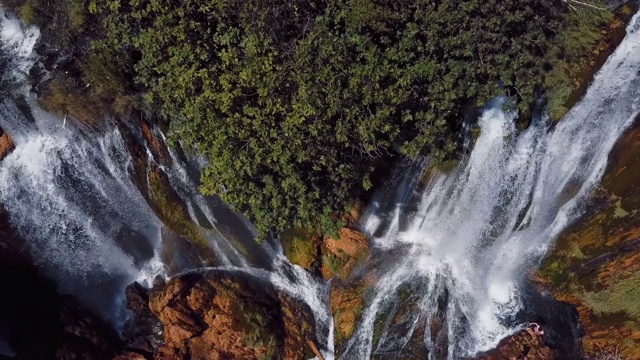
(19,41)
(471,240)
(478,231)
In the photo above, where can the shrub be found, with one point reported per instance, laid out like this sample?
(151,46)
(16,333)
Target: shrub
(335,263)
(297,102)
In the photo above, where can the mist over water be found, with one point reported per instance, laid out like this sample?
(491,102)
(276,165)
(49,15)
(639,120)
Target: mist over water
(463,244)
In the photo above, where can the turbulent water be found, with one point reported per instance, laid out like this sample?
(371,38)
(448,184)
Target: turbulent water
(69,191)
(478,231)
(463,245)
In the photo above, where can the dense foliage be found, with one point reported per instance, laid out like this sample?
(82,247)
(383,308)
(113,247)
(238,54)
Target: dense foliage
(296,102)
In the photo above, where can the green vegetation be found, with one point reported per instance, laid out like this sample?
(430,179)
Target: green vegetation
(172,212)
(67,19)
(258,335)
(553,270)
(620,297)
(436,167)
(300,250)
(569,55)
(89,81)
(296,103)
(335,263)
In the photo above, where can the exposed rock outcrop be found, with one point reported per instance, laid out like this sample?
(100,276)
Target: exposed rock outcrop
(518,345)
(327,255)
(346,302)
(223,315)
(595,263)
(156,145)
(336,259)
(6,144)
(341,256)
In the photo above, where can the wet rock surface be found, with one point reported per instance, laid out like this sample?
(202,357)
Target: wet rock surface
(6,144)
(519,345)
(595,263)
(39,323)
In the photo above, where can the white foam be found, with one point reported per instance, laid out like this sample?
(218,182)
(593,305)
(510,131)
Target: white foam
(19,41)
(478,229)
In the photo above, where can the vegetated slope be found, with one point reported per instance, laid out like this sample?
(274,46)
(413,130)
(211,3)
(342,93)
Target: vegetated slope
(296,103)
(595,262)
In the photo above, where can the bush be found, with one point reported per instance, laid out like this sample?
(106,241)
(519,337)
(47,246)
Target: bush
(570,54)
(335,263)
(300,249)
(297,102)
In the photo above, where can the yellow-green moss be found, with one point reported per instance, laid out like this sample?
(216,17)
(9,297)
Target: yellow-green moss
(622,297)
(173,214)
(577,54)
(335,263)
(301,247)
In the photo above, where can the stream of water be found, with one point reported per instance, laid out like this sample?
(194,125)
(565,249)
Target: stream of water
(478,231)
(470,237)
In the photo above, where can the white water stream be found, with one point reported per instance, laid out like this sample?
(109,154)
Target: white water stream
(478,231)
(473,237)
(69,192)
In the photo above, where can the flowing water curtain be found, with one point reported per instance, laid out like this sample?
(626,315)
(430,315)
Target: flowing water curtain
(480,229)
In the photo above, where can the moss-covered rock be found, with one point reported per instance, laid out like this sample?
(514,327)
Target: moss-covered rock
(347,302)
(595,264)
(340,257)
(332,256)
(302,247)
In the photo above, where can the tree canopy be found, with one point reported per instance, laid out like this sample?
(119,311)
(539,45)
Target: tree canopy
(295,102)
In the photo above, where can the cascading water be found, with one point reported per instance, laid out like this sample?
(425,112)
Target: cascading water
(479,230)
(465,242)
(69,192)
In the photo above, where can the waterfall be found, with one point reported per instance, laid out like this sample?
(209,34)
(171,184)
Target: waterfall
(478,231)
(17,44)
(463,244)
(70,195)
(69,192)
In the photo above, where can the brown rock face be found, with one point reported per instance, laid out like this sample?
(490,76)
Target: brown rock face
(351,242)
(326,255)
(346,304)
(222,315)
(158,147)
(6,144)
(517,346)
(341,256)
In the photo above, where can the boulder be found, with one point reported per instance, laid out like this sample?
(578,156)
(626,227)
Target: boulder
(6,144)
(516,346)
(223,315)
